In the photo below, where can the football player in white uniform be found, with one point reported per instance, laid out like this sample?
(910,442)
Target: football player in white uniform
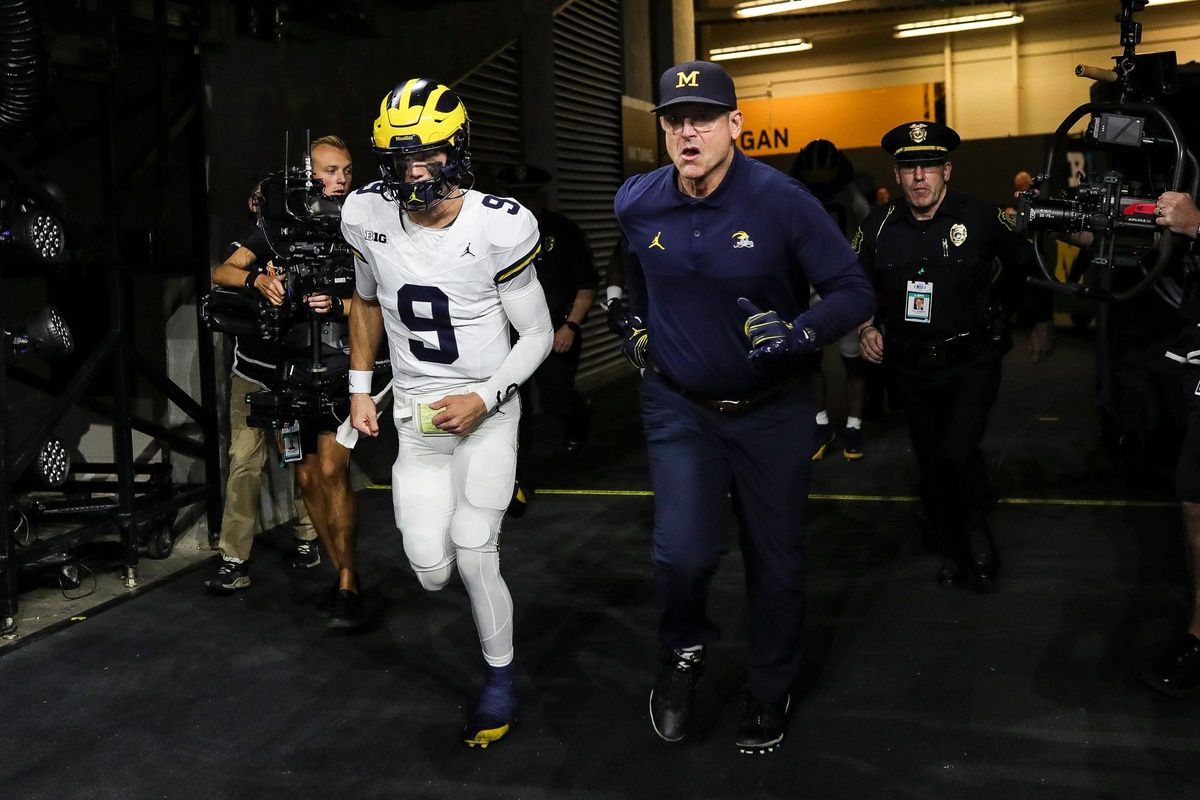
(444,270)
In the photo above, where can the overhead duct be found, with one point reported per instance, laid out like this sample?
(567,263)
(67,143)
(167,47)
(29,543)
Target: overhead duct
(23,64)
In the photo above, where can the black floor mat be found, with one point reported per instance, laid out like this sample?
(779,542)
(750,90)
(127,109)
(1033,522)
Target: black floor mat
(907,690)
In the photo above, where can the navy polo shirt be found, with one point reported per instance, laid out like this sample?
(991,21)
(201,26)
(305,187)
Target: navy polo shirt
(759,235)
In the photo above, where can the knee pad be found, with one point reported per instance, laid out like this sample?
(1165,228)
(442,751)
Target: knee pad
(434,580)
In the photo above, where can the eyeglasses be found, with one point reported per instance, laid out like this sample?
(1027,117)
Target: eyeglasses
(702,121)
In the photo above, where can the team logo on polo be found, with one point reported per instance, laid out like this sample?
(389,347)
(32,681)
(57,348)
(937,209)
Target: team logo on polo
(688,79)
(742,239)
(656,243)
(958,234)
(918,131)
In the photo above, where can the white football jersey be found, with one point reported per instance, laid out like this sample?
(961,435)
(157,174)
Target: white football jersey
(440,289)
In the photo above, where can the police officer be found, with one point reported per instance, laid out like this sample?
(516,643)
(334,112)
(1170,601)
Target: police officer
(942,330)
(724,249)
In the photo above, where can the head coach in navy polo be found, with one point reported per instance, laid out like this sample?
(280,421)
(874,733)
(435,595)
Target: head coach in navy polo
(941,331)
(723,251)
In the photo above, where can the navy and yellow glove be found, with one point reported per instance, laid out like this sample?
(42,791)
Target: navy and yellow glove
(772,337)
(635,339)
(617,315)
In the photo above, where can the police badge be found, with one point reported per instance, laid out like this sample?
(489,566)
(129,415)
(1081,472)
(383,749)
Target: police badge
(958,234)
(917,132)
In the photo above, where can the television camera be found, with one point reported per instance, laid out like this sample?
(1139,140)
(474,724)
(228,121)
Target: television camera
(301,225)
(1144,152)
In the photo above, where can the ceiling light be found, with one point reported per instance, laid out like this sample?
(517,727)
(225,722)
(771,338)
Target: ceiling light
(759,49)
(1156,3)
(760,8)
(953,24)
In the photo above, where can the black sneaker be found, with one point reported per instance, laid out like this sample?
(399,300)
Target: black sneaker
(1178,674)
(822,438)
(852,444)
(761,728)
(674,691)
(306,555)
(231,576)
(347,610)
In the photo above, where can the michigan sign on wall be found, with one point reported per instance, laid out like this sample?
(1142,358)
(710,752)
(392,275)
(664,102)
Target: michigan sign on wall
(777,125)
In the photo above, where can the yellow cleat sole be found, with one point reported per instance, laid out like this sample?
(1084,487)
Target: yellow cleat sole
(485,737)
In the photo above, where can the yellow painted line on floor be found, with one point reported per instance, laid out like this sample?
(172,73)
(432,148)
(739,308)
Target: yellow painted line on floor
(878,498)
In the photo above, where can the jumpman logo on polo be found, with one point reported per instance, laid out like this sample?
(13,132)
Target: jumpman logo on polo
(466,252)
(656,243)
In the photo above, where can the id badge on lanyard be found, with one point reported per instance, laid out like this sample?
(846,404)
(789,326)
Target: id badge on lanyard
(918,301)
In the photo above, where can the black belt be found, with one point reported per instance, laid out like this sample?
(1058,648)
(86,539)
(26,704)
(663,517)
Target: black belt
(735,407)
(934,352)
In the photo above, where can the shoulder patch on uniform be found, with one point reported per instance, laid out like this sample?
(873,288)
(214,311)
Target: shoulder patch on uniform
(856,240)
(522,264)
(1006,219)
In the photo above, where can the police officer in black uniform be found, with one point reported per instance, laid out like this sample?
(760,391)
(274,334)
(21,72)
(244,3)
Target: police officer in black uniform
(941,329)
(568,276)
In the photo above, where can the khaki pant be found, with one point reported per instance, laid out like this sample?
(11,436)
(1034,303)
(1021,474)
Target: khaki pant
(248,452)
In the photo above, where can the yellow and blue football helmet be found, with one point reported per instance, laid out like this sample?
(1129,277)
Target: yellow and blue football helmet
(419,118)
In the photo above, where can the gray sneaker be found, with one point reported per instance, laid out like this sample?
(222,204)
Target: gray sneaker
(231,576)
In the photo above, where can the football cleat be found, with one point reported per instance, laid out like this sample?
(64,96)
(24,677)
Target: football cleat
(496,711)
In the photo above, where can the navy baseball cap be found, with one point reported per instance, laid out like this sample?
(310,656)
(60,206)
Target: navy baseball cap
(920,142)
(696,82)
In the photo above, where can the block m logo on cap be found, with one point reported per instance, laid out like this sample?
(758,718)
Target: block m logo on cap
(687,79)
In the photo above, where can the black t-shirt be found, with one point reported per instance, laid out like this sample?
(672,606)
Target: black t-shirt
(566,264)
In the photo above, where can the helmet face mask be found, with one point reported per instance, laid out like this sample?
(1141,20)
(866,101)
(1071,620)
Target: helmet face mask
(422,124)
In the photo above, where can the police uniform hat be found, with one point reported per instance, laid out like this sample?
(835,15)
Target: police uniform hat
(520,176)
(700,82)
(920,142)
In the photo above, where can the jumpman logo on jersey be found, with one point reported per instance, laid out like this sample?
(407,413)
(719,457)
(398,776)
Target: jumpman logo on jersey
(466,252)
(656,243)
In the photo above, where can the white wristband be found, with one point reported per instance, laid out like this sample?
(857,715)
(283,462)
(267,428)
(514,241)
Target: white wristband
(360,381)
(614,292)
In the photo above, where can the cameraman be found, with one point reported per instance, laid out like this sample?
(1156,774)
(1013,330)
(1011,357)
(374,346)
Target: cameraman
(323,471)
(1178,672)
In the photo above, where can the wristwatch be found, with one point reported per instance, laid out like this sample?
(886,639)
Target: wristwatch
(574,326)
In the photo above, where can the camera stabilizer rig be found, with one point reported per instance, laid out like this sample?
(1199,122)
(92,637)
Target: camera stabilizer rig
(301,225)
(1118,211)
